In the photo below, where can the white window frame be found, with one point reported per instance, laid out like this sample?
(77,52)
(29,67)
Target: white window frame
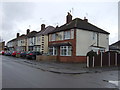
(38,38)
(67,35)
(53,50)
(62,48)
(53,36)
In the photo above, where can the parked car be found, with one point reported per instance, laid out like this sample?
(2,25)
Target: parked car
(2,52)
(23,54)
(18,53)
(32,55)
(8,53)
(14,53)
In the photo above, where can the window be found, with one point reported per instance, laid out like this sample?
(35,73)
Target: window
(30,41)
(37,48)
(65,50)
(67,35)
(42,46)
(34,40)
(95,36)
(38,39)
(53,37)
(53,51)
(72,34)
(42,39)
(22,41)
(59,36)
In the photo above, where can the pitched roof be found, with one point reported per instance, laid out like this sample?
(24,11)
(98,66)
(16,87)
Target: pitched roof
(22,37)
(32,34)
(115,46)
(80,24)
(45,31)
(12,40)
(116,43)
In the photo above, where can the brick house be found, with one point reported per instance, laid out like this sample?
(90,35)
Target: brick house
(73,40)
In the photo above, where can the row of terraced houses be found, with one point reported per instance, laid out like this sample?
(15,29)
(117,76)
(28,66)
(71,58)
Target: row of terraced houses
(69,42)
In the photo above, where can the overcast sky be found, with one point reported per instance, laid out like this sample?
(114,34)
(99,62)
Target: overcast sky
(17,16)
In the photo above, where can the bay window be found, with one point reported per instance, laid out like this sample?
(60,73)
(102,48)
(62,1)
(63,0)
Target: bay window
(52,50)
(65,50)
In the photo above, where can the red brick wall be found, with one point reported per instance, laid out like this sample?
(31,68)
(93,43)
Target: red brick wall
(75,59)
(74,44)
(72,41)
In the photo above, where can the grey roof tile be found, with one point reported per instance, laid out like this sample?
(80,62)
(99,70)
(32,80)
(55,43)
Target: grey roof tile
(45,31)
(78,23)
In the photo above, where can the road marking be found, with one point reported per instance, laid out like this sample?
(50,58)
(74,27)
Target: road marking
(114,82)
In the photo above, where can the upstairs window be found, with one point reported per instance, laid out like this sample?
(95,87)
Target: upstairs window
(38,39)
(53,37)
(34,40)
(67,35)
(23,41)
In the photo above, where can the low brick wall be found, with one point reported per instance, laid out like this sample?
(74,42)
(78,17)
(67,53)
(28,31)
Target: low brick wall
(65,59)
(46,58)
(74,59)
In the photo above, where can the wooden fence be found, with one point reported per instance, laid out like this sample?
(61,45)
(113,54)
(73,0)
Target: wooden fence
(104,59)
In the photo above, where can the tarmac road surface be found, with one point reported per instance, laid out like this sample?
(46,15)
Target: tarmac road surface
(18,75)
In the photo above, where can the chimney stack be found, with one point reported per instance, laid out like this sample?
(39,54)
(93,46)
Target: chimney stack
(18,35)
(85,19)
(57,26)
(42,26)
(68,18)
(28,31)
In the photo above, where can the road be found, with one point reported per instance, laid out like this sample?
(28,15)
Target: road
(17,75)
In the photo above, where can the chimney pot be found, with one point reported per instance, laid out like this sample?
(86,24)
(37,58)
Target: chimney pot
(68,18)
(85,19)
(18,35)
(42,26)
(28,31)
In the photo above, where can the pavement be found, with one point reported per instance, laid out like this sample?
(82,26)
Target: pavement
(64,68)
